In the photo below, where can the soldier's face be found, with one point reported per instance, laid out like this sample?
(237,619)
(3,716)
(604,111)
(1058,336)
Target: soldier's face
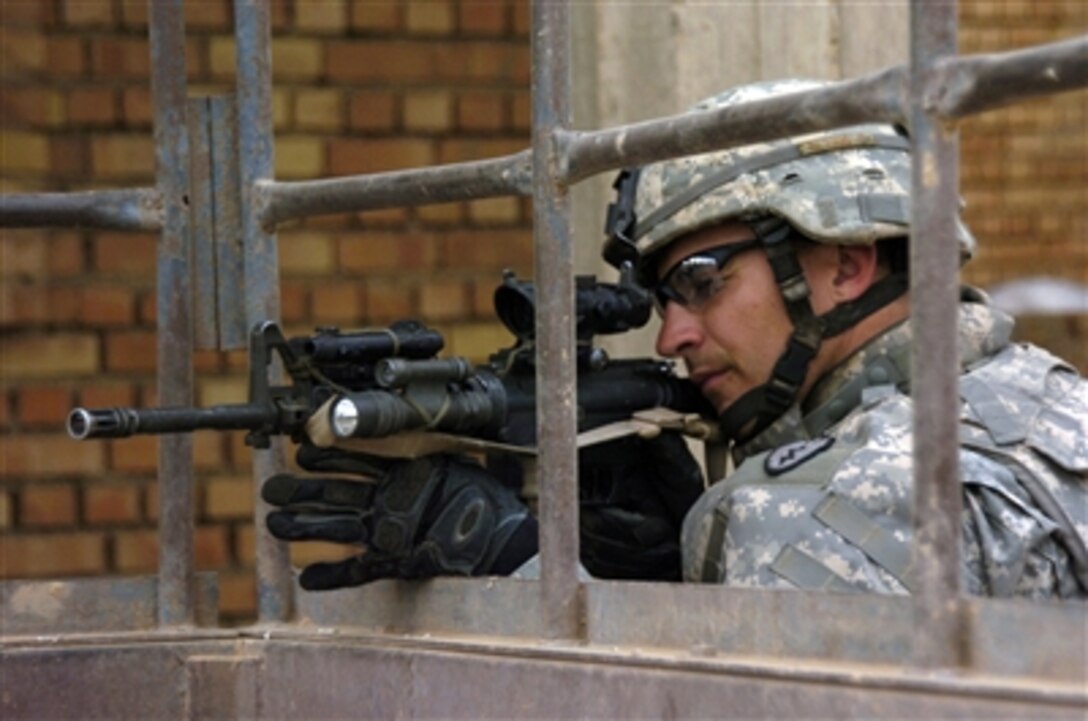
(731,338)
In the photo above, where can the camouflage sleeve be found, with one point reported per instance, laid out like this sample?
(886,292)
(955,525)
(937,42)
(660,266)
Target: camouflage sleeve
(834,517)
(840,517)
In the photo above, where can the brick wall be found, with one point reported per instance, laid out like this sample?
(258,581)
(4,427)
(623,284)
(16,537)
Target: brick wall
(359,86)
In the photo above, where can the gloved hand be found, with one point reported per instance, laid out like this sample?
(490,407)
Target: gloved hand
(433,516)
(634,494)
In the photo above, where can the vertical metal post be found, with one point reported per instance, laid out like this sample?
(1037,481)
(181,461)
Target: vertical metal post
(554,277)
(934,360)
(174,310)
(261,267)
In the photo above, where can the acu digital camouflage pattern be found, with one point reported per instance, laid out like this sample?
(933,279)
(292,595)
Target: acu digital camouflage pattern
(847,186)
(841,519)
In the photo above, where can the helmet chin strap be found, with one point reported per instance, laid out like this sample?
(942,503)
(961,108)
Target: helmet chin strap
(757,409)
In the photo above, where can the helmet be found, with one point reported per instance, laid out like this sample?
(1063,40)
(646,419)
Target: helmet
(848,186)
(845,186)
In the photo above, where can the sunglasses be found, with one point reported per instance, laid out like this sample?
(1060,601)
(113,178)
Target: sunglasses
(696,279)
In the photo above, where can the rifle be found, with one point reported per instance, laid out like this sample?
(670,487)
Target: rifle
(386,392)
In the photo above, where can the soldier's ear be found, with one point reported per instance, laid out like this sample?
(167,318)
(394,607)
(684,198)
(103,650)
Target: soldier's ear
(857,269)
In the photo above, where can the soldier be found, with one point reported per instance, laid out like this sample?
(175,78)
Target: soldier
(780,273)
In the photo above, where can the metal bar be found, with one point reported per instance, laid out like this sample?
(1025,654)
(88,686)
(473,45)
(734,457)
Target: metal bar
(934,259)
(132,209)
(229,250)
(252,32)
(554,270)
(202,231)
(174,308)
(494,177)
(974,83)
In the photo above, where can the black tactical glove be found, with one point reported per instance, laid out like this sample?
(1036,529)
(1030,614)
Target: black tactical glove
(433,516)
(634,494)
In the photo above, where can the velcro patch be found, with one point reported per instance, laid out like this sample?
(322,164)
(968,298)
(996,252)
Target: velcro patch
(786,458)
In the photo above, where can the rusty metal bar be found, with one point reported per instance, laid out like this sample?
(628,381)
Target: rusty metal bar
(174,308)
(494,177)
(554,270)
(964,85)
(934,259)
(974,83)
(252,33)
(130,209)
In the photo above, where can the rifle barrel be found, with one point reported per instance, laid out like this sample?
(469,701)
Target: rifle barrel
(84,423)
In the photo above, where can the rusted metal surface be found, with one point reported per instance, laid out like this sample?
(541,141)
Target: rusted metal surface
(1006,638)
(954,87)
(289,674)
(93,605)
(132,209)
(974,83)
(555,359)
(174,299)
(252,36)
(494,177)
(934,265)
(218,275)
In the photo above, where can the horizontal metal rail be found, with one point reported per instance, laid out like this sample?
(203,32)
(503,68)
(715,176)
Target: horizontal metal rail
(960,86)
(501,176)
(132,209)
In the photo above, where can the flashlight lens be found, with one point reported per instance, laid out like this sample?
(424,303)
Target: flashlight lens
(345,418)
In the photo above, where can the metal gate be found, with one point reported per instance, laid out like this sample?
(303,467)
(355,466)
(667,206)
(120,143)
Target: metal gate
(148,647)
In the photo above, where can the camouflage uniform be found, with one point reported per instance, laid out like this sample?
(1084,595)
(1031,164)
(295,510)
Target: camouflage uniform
(822,494)
(823,498)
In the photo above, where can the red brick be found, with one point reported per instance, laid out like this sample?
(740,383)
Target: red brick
(33,106)
(481,112)
(352,156)
(371,252)
(133,351)
(211,548)
(126,254)
(337,303)
(373,111)
(389,300)
(245,544)
(462,149)
(47,505)
(229,498)
(138,454)
(368,16)
(29,14)
(134,13)
(523,19)
(52,555)
(294,302)
(40,405)
(123,157)
(107,306)
(237,595)
(443,300)
(136,551)
(39,355)
(482,17)
(107,394)
(69,157)
(66,255)
(111,503)
(445,214)
(136,105)
(81,13)
(208,15)
(327,17)
(92,106)
(208,451)
(7,517)
(67,56)
(435,17)
(387,61)
(42,455)
(120,57)
(488,250)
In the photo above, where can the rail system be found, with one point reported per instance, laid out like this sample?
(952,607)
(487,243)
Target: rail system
(592,648)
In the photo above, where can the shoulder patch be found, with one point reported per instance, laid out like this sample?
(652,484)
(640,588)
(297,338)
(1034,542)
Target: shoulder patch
(786,458)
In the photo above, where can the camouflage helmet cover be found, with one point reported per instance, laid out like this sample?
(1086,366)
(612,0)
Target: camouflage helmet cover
(847,186)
